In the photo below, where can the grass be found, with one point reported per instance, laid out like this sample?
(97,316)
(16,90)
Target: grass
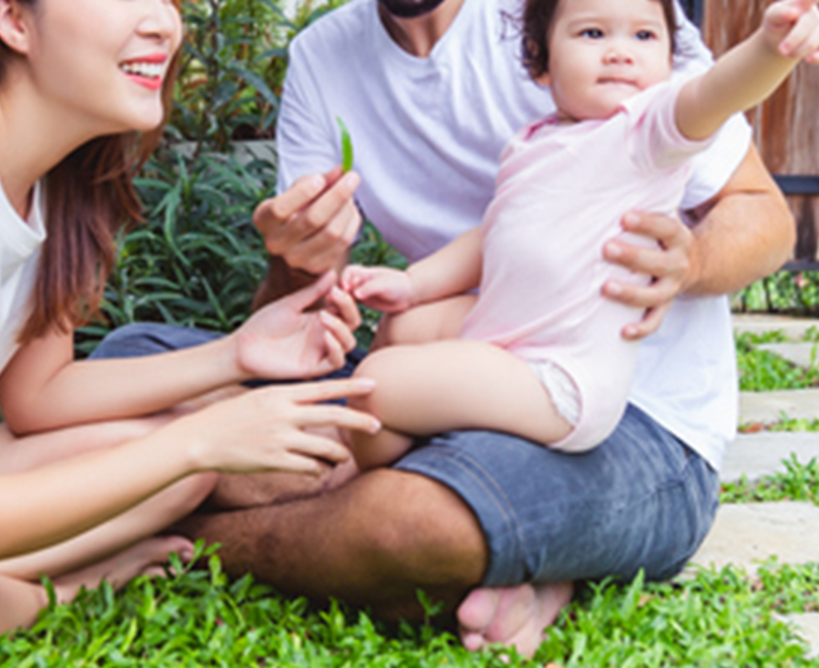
(715,618)
(765,371)
(797,482)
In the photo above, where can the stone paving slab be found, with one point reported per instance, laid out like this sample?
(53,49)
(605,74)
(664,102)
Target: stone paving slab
(748,533)
(806,626)
(800,353)
(759,454)
(794,328)
(768,406)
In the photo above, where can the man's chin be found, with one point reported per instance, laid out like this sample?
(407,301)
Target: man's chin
(410,9)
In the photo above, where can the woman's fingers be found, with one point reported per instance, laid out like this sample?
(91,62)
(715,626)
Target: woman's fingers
(338,330)
(308,393)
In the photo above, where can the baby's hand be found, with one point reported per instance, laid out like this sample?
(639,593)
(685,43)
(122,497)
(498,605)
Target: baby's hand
(381,288)
(286,340)
(792,28)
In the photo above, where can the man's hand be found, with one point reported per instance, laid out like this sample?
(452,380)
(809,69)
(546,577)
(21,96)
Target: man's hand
(311,224)
(672,264)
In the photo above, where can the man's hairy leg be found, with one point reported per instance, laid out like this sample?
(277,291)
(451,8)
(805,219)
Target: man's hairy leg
(236,492)
(374,541)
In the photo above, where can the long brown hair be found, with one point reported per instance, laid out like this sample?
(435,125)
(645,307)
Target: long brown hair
(89,196)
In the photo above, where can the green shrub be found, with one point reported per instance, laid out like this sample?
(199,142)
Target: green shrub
(233,65)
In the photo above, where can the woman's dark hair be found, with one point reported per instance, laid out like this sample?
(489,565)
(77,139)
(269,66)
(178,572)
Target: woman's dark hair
(89,197)
(536,23)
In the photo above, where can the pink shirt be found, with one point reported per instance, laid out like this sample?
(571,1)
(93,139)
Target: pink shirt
(561,193)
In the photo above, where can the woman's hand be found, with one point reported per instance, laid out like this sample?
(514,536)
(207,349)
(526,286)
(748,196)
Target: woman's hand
(671,263)
(284,340)
(268,429)
(380,288)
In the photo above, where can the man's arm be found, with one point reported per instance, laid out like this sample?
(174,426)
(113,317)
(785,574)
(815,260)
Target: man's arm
(743,233)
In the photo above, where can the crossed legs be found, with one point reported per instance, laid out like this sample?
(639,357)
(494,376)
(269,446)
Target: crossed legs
(117,550)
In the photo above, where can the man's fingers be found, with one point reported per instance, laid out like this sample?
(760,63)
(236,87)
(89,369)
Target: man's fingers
(648,325)
(641,296)
(664,229)
(333,200)
(275,211)
(324,247)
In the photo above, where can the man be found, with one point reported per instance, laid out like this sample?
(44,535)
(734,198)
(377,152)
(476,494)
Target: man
(431,90)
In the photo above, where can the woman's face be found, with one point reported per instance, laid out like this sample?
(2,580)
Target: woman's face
(103,62)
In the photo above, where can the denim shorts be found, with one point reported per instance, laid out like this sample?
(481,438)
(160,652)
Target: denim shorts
(641,499)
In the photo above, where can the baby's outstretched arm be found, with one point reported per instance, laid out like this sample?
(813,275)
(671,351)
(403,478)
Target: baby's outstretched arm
(751,71)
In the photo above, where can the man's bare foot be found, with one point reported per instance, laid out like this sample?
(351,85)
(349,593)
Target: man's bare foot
(144,558)
(512,616)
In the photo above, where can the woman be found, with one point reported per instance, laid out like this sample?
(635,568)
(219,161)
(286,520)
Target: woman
(84,88)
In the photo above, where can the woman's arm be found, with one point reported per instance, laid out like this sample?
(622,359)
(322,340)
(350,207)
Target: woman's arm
(751,71)
(263,429)
(42,388)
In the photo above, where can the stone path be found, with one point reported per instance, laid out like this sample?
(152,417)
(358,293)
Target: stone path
(747,534)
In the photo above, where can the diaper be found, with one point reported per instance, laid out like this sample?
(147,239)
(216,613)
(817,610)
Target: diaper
(561,388)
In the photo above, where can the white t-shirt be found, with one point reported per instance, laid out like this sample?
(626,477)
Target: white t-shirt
(20,243)
(428,133)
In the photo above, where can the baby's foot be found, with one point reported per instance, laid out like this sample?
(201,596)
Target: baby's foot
(512,616)
(144,558)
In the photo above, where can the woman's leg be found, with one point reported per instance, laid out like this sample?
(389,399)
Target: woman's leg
(145,519)
(450,385)
(21,601)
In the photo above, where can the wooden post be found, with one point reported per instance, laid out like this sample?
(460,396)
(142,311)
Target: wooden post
(786,127)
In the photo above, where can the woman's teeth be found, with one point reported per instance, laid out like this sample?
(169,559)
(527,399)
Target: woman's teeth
(150,70)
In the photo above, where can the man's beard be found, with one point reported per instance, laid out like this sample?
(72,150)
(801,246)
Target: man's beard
(409,9)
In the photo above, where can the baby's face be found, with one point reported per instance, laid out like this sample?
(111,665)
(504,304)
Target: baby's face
(602,52)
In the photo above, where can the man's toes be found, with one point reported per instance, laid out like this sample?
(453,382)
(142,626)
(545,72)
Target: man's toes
(478,609)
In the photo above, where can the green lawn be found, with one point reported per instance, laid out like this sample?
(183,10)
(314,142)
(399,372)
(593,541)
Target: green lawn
(200,618)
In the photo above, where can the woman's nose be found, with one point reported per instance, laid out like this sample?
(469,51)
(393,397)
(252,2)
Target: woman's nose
(161,20)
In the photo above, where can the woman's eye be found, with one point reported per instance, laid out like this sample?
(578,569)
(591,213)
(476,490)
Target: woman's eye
(592,33)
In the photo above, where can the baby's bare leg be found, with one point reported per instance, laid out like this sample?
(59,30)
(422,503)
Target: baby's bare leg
(450,385)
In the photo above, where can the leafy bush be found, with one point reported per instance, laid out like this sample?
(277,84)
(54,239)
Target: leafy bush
(795,293)
(233,66)
(197,259)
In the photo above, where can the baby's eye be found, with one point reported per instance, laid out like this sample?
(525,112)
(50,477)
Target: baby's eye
(591,33)
(645,35)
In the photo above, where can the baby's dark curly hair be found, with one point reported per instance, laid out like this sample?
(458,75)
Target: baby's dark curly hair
(536,22)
